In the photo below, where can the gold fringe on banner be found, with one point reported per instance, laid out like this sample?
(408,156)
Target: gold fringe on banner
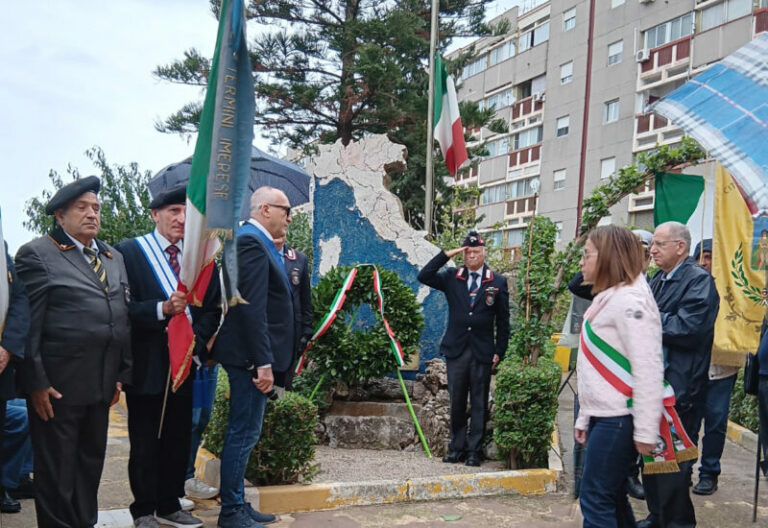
(656,468)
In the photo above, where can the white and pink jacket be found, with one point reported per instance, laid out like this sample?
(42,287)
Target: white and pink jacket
(626,318)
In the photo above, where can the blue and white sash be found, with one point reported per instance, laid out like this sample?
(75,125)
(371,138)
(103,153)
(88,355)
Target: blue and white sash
(160,266)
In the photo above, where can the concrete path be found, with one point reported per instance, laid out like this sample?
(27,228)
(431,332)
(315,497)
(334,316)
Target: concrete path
(729,507)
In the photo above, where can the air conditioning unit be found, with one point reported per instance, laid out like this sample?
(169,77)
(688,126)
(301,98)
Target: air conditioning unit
(539,97)
(642,55)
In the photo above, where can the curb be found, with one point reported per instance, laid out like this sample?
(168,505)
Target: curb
(741,436)
(295,498)
(313,497)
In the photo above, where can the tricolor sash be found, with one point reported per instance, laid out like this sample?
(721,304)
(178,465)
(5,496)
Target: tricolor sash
(672,445)
(160,266)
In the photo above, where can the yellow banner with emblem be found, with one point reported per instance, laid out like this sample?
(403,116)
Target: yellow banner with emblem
(740,270)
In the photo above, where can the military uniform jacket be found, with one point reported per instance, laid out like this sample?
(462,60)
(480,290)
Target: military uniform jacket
(79,339)
(688,304)
(301,290)
(149,336)
(471,326)
(261,331)
(14,333)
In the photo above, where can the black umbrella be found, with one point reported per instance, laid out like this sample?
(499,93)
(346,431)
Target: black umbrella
(265,170)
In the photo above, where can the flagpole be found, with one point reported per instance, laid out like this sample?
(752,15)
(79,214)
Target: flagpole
(429,187)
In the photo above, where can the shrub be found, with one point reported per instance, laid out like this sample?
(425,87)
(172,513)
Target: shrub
(526,407)
(286,448)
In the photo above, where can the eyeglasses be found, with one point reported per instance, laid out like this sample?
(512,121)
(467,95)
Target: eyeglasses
(286,208)
(662,243)
(586,255)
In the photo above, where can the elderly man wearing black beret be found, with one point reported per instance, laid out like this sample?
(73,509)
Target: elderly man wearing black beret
(78,354)
(474,342)
(158,461)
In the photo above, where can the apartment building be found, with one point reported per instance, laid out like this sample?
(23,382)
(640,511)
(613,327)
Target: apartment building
(573,79)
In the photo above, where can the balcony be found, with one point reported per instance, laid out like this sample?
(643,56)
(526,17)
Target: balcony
(665,63)
(525,155)
(466,175)
(525,108)
(642,201)
(761,20)
(652,129)
(521,206)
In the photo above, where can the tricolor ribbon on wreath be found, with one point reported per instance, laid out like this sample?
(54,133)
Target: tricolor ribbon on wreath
(673,445)
(338,303)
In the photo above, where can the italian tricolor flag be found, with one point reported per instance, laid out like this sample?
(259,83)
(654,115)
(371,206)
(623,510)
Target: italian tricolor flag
(218,176)
(688,199)
(447,121)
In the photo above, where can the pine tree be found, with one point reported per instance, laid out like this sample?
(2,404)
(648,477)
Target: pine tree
(328,70)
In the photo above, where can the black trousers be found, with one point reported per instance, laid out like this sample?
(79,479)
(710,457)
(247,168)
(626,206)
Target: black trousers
(467,376)
(69,454)
(2,432)
(667,494)
(157,467)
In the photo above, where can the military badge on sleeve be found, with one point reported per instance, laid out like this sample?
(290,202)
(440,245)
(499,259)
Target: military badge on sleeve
(490,296)
(295,276)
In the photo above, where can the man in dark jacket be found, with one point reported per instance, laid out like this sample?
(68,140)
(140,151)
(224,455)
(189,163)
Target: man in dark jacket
(297,268)
(158,460)
(78,354)
(688,303)
(14,327)
(255,341)
(474,342)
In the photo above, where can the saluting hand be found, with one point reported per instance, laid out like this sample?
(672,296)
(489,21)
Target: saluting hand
(453,252)
(41,401)
(175,304)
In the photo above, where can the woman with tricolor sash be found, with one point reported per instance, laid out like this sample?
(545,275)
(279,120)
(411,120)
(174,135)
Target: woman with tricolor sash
(620,375)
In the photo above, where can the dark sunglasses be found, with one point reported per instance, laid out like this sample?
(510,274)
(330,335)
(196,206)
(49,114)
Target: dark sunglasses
(286,208)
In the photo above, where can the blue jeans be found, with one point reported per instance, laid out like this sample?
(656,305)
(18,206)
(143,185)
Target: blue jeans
(246,411)
(17,445)
(715,414)
(603,493)
(204,391)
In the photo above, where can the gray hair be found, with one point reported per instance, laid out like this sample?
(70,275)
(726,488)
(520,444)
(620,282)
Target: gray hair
(678,231)
(260,197)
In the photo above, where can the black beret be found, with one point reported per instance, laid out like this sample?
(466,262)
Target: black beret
(175,196)
(473,240)
(71,191)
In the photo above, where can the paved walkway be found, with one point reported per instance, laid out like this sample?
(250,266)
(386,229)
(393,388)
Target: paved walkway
(729,507)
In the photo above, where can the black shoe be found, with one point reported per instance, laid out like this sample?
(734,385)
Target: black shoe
(25,489)
(8,504)
(473,459)
(647,523)
(454,457)
(635,488)
(707,486)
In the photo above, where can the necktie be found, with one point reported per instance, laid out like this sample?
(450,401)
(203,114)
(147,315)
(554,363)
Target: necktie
(97,266)
(473,287)
(173,258)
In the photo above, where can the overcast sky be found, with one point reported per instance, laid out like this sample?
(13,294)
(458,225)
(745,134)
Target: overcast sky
(78,73)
